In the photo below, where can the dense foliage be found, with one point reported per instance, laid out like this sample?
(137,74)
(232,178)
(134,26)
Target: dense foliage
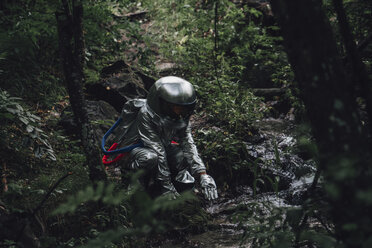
(226,49)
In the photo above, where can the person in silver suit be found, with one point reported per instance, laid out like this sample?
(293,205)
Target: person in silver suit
(162,125)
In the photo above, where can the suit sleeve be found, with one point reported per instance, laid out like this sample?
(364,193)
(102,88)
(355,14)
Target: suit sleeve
(191,153)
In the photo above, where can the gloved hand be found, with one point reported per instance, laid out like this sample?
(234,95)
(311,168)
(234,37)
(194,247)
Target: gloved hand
(208,187)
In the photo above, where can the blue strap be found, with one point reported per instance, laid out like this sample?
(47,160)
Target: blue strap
(121,150)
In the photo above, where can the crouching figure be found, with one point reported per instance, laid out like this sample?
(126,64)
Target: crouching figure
(168,155)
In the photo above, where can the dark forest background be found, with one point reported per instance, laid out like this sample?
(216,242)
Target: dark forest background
(67,67)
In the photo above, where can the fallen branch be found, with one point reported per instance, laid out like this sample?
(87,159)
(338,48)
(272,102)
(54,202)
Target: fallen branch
(35,210)
(138,14)
(131,16)
(269,92)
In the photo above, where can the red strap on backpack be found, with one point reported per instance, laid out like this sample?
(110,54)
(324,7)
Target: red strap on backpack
(107,161)
(106,158)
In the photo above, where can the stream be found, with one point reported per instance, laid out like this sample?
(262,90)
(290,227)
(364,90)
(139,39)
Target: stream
(294,175)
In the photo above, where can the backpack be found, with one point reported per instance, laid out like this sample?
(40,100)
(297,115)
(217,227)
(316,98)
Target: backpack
(118,131)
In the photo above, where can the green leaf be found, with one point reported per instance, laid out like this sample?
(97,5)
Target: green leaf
(24,120)
(106,238)
(12,110)
(29,128)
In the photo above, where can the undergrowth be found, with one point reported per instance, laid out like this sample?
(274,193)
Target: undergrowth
(223,59)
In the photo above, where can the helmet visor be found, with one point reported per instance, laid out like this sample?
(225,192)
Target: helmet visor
(177,111)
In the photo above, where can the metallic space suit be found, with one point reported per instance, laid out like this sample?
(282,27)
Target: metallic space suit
(162,125)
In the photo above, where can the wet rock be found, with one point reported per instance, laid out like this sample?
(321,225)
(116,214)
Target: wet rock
(274,155)
(147,80)
(280,108)
(124,68)
(114,68)
(297,192)
(117,90)
(101,115)
(121,82)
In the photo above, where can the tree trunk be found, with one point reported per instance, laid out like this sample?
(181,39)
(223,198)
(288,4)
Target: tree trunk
(71,45)
(331,107)
(359,72)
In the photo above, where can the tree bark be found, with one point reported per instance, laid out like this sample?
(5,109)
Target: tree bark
(4,175)
(71,45)
(325,89)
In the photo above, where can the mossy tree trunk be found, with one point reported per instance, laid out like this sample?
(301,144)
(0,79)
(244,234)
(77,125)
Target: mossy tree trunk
(327,93)
(71,45)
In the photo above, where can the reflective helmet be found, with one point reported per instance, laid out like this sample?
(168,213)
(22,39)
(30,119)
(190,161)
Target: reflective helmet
(172,97)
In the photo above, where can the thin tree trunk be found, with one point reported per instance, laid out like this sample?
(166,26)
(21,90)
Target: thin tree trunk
(359,71)
(71,45)
(344,154)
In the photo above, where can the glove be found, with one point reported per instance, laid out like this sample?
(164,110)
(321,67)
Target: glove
(208,187)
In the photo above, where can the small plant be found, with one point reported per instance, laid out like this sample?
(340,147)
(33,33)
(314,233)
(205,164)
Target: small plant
(236,112)
(261,178)
(12,113)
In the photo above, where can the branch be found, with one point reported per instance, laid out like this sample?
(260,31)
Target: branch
(33,213)
(49,192)
(3,179)
(138,14)
(325,226)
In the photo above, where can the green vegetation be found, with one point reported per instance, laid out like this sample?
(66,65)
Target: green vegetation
(226,49)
